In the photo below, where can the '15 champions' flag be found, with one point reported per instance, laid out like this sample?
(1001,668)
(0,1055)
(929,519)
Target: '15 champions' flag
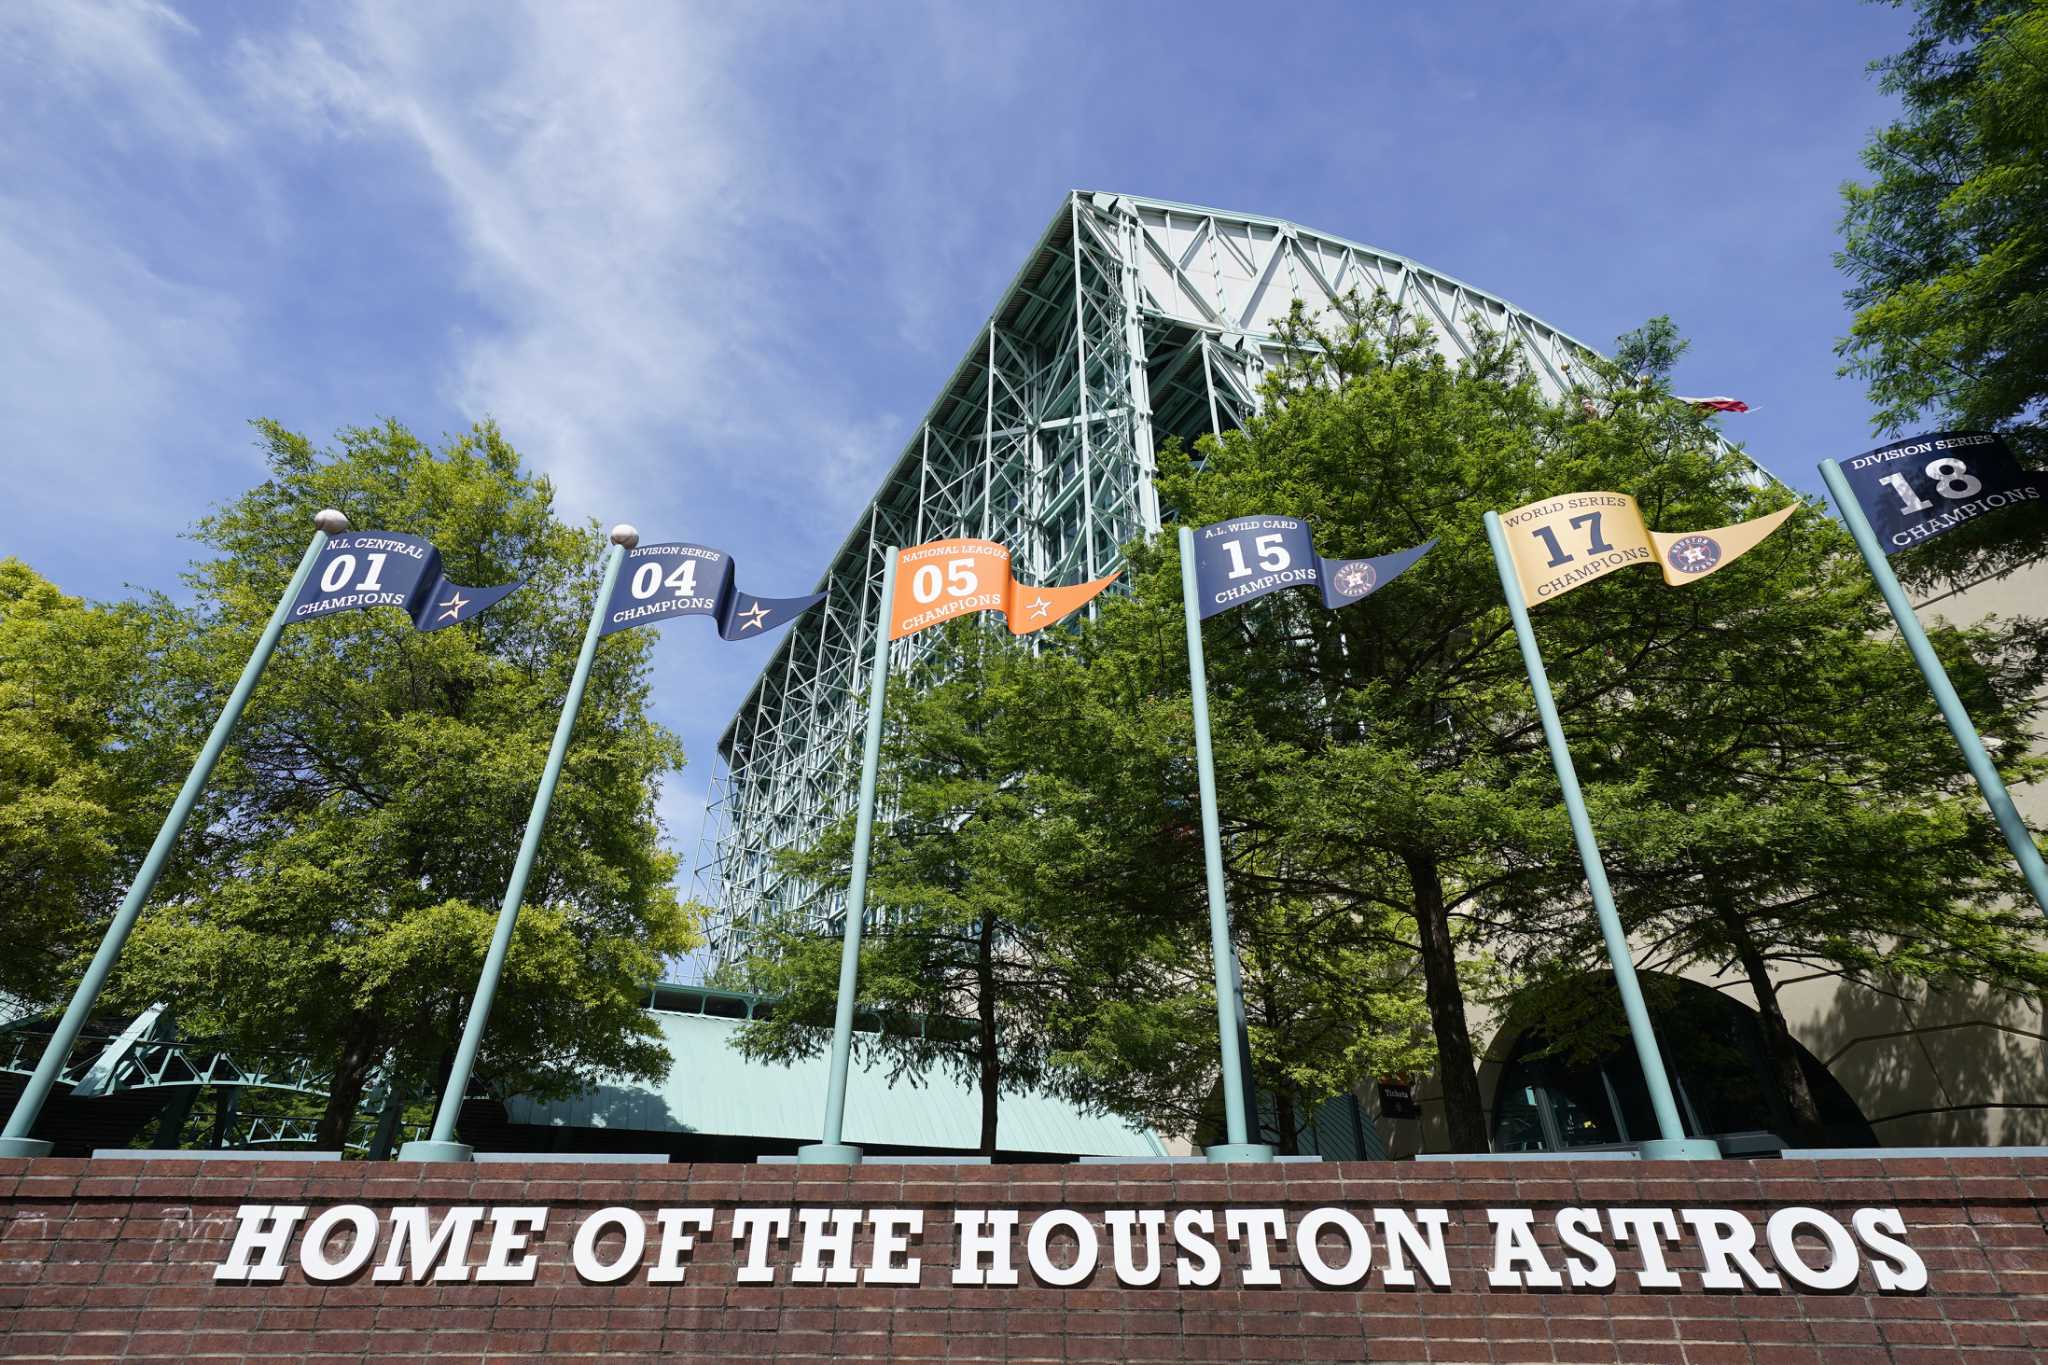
(1913,490)
(942,579)
(1563,542)
(385,569)
(660,581)
(1248,557)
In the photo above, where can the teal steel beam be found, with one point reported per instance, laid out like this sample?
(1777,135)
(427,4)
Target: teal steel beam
(442,1145)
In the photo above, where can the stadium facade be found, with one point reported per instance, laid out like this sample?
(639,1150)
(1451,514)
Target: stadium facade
(1136,321)
(1133,321)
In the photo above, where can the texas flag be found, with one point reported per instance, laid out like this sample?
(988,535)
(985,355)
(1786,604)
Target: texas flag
(1718,403)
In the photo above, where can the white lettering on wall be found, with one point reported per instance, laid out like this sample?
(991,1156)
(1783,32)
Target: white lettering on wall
(1038,1254)
(444,1250)
(676,1242)
(984,1235)
(512,1233)
(313,1257)
(632,1245)
(262,1232)
(1797,1249)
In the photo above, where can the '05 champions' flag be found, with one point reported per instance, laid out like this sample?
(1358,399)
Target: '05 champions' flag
(385,569)
(1248,557)
(1561,543)
(942,579)
(1915,489)
(661,581)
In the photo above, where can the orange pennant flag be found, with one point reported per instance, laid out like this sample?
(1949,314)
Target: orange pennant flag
(942,579)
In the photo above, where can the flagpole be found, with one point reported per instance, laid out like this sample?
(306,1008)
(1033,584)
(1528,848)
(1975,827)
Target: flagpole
(1989,782)
(15,1141)
(831,1151)
(1671,1142)
(441,1146)
(1239,1147)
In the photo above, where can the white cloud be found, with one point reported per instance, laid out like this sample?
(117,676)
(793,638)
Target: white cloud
(124,56)
(618,202)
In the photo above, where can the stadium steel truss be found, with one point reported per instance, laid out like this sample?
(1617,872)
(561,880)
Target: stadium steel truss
(1133,321)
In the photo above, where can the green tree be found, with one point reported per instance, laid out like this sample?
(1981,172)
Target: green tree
(1382,765)
(1947,245)
(77,793)
(970,966)
(340,885)
(1778,801)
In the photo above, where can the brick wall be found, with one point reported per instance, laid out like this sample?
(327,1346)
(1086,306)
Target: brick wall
(103,1259)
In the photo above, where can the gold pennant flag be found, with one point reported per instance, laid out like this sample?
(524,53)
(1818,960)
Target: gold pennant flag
(942,579)
(1561,543)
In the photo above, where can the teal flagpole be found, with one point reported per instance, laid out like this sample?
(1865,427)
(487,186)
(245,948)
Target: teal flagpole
(16,1140)
(442,1146)
(1671,1142)
(1239,1147)
(1989,782)
(831,1150)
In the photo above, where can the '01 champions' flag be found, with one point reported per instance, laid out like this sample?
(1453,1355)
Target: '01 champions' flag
(1915,489)
(1561,543)
(1248,557)
(661,581)
(385,569)
(942,579)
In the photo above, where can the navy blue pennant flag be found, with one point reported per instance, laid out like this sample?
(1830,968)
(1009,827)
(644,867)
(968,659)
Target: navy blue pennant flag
(1248,557)
(384,569)
(1915,489)
(660,581)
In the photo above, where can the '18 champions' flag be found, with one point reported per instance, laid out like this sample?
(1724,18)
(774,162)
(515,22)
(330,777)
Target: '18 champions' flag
(1248,557)
(1563,542)
(942,579)
(1915,489)
(385,569)
(660,581)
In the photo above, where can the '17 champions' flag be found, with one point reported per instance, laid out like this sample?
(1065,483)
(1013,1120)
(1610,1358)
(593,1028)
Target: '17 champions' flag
(1248,557)
(1563,542)
(1915,489)
(942,579)
(660,581)
(384,569)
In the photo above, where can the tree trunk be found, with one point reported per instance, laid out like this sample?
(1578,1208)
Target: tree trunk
(1464,1109)
(1283,1114)
(985,1002)
(1779,1046)
(351,1076)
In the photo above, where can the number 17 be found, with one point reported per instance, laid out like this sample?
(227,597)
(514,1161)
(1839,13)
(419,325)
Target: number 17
(1595,545)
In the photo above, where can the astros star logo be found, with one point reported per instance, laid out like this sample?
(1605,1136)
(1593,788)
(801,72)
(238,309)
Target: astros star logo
(1040,608)
(754,617)
(1695,554)
(451,610)
(1356,579)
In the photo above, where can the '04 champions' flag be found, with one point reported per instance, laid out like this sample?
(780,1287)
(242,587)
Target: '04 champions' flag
(660,581)
(385,569)
(1563,542)
(1248,557)
(942,579)
(1915,489)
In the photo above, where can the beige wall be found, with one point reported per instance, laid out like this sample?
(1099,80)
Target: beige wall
(1956,1066)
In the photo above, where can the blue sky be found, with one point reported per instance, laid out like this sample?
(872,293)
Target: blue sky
(708,264)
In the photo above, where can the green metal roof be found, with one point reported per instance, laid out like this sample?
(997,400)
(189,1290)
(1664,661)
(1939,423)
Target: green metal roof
(711,1089)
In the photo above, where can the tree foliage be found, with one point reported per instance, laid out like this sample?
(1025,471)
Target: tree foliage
(78,787)
(1947,244)
(339,885)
